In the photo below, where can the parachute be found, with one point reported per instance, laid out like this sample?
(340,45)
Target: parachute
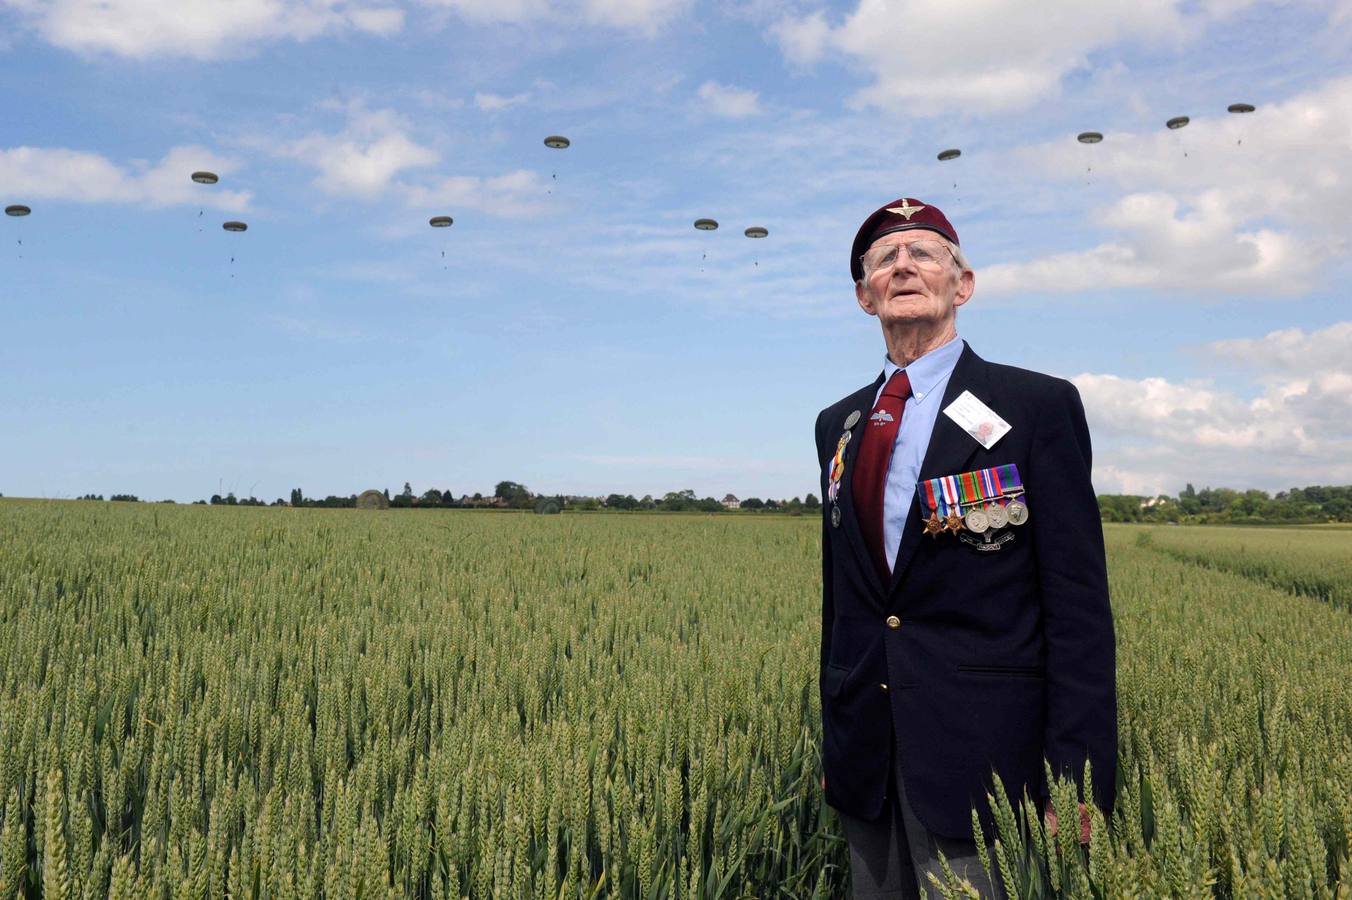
(441,222)
(946,155)
(705,225)
(757,232)
(1241,109)
(556,142)
(1176,123)
(18,211)
(205,177)
(235,227)
(1089,137)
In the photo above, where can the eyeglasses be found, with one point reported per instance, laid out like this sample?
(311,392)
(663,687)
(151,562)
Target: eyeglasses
(925,254)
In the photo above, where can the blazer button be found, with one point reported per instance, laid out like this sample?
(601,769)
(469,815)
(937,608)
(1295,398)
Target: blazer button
(883,688)
(893,622)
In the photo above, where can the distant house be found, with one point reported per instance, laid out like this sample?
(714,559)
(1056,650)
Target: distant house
(731,502)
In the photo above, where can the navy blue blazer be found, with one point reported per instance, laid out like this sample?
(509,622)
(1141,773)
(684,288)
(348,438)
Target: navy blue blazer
(1002,657)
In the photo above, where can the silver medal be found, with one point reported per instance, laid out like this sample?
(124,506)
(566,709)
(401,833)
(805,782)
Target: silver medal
(852,419)
(1017,512)
(998,515)
(976,520)
(835,516)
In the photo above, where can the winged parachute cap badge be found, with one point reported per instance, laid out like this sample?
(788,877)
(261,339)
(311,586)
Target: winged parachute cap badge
(881,417)
(906,210)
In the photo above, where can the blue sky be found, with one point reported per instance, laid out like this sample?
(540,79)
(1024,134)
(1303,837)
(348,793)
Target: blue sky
(578,335)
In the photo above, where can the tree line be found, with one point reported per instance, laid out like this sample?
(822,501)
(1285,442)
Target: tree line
(1226,506)
(1208,506)
(507,495)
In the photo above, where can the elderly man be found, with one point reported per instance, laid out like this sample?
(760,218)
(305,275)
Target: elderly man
(965,622)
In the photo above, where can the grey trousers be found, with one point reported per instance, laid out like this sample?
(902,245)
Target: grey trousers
(891,855)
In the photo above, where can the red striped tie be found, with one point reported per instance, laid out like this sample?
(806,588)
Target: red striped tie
(869,482)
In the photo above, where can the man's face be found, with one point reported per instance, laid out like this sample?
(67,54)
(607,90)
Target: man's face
(906,293)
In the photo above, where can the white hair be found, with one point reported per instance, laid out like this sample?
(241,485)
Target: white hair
(958,256)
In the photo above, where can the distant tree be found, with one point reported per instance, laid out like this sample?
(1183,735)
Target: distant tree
(430,497)
(216,500)
(584,503)
(1120,508)
(297,498)
(621,501)
(90,497)
(678,501)
(753,503)
(124,498)
(811,502)
(647,502)
(512,494)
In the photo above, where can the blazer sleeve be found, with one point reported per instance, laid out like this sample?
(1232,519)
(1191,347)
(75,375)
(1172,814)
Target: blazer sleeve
(828,600)
(1073,580)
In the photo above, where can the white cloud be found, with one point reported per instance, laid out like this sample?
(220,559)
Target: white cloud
(1169,248)
(516,194)
(728,101)
(365,157)
(1248,204)
(929,56)
(645,16)
(1155,434)
(496,102)
(1292,350)
(642,16)
(803,40)
(57,173)
(202,29)
(494,12)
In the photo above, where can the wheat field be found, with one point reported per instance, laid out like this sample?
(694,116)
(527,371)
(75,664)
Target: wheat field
(273,703)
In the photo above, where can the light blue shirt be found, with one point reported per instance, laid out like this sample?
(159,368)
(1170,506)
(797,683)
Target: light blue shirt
(929,376)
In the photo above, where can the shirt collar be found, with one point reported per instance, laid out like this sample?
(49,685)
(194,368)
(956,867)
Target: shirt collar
(926,372)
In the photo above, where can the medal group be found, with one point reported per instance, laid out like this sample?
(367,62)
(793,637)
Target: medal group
(838,468)
(980,502)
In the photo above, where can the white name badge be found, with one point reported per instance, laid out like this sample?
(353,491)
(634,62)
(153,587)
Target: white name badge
(977,419)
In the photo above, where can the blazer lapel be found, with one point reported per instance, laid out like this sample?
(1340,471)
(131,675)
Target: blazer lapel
(950,449)
(863,402)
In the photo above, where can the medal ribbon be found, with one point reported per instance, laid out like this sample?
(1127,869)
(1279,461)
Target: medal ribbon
(998,484)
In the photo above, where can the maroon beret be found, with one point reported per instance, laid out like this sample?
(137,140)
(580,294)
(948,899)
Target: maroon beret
(901,214)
